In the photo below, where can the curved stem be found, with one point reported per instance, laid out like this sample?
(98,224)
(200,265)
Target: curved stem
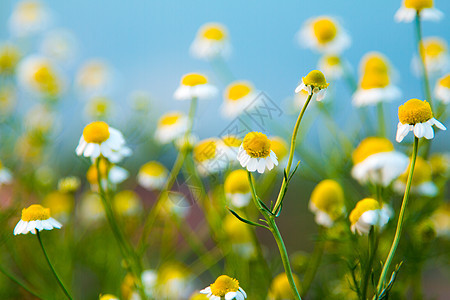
(398,232)
(51,267)
(18,282)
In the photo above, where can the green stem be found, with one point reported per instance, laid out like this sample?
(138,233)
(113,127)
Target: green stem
(291,153)
(381,121)
(51,267)
(373,245)
(426,82)
(18,282)
(313,265)
(398,232)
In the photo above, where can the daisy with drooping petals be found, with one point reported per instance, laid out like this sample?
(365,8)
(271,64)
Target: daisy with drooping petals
(434,50)
(375,83)
(376,161)
(416,115)
(152,175)
(422,182)
(368,213)
(313,83)
(442,89)
(237,188)
(171,126)
(327,202)
(210,157)
(9,58)
(194,85)
(28,17)
(238,97)
(280,288)
(239,235)
(332,66)
(99,138)
(323,34)
(410,8)
(225,287)
(255,153)
(211,41)
(5,175)
(35,217)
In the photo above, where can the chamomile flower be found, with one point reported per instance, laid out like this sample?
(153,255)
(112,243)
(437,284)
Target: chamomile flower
(435,52)
(40,76)
(108,173)
(255,153)
(95,77)
(171,126)
(323,34)
(237,188)
(375,84)
(239,235)
(422,182)
(368,213)
(210,156)
(327,202)
(280,289)
(314,82)
(442,89)
(99,108)
(152,175)
(225,287)
(332,66)
(281,149)
(99,138)
(416,115)
(60,45)
(194,85)
(35,217)
(238,97)
(5,175)
(410,8)
(376,161)
(9,58)
(28,17)
(127,203)
(230,145)
(211,41)
(61,204)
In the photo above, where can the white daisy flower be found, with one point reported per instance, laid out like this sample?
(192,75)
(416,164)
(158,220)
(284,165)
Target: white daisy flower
(5,175)
(368,213)
(35,217)
(416,115)
(376,161)
(327,202)
(226,288)
(323,34)
(237,188)
(211,41)
(255,153)
(194,85)
(210,157)
(152,175)
(99,108)
(100,139)
(314,83)
(332,66)
(422,182)
(442,89)
(435,52)
(238,97)
(410,8)
(171,126)
(28,17)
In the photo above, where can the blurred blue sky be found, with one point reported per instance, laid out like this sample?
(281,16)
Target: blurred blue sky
(148,41)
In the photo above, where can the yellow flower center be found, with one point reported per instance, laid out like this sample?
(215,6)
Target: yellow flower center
(205,150)
(373,80)
(418,4)
(414,111)
(46,80)
(92,174)
(170,271)
(100,105)
(332,60)
(237,232)
(237,182)
(237,91)
(223,285)
(232,141)
(433,47)
(59,202)
(35,212)
(375,63)
(9,57)
(193,79)
(324,30)
(108,297)
(96,132)
(422,172)
(280,287)
(256,144)
(328,196)
(153,168)
(315,78)
(279,146)
(214,32)
(170,119)
(125,201)
(361,207)
(445,81)
(370,146)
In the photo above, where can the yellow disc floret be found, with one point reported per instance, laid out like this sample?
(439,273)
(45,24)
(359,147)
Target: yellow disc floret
(256,144)
(237,91)
(370,146)
(126,202)
(213,32)
(328,196)
(193,79)
(92,173)
(433,47)
(375,62)
(153,168)
(316,78)
(223,285)
(232,141)
(415,111)
(332,60)
(374,80)
(279,146)
(205,150)
(445,81)
(361,207)
(60,203)
(418,4)
(96,132)
(169,119)
(35,212)
(237,182)
(324,30)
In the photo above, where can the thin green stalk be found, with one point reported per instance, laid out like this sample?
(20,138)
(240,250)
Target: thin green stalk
(398,232)
(426,82)
(313,265)
(381,121)
(291,153)
(20,283)
(51,267)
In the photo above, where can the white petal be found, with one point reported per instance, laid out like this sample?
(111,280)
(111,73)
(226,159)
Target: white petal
(230,295)
(419,130)
(21,225)
(429,132)
(300,87)
(54,223)
(206,290)
(402,131)
(243,292)
(261,165)
(438,124)
(321,94)
(252,164)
